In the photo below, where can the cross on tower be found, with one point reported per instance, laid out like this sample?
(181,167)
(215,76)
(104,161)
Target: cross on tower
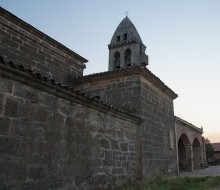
(126,13)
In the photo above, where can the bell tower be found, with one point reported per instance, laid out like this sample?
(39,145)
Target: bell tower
(126,48)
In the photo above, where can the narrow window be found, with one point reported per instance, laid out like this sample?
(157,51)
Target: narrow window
(125,36)
(128,57)
(118,38)
(117,60)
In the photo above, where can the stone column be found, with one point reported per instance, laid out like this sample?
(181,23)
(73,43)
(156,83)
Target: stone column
(204,159)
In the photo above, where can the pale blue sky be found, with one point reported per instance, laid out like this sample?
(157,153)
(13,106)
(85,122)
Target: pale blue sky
(182,39)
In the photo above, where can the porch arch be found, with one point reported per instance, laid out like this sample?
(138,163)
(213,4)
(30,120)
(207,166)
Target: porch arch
(197,157)
(184,153)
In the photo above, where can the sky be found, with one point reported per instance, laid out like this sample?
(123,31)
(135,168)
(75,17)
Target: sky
(182,39)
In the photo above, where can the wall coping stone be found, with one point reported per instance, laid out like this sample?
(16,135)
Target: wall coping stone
(27,76)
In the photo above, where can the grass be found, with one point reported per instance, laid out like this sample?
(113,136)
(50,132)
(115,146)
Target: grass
(183,183)
(179,183)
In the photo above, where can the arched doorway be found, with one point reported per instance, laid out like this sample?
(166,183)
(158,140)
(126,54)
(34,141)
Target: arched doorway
(127,58)
(184,153)
(196,154)
(117,60)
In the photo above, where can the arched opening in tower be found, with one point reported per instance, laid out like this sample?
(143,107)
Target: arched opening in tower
(197,151)
(184,153)
(127,58)
(116,60)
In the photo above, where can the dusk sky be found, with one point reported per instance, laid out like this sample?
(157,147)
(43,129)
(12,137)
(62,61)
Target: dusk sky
(182,39)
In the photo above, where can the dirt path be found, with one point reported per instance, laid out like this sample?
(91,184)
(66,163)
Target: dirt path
(210,171)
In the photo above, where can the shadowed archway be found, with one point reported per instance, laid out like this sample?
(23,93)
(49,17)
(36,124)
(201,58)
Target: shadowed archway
(196,154)
(184,153)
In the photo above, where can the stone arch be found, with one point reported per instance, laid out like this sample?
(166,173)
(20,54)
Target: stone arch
(197,150)
(117,61)
(127,57)
(184,153)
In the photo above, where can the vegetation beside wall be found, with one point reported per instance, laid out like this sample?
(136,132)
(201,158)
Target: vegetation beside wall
(179,183)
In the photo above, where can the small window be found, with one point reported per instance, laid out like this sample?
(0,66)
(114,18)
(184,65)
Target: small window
(125,36)
(118,38)
(127,57)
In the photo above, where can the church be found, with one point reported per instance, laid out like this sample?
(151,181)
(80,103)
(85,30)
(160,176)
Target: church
(63,130)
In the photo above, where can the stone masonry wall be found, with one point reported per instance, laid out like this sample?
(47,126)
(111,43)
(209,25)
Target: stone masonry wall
(158,133)
(51,138)
(135,93)
(24,44)
(123,91)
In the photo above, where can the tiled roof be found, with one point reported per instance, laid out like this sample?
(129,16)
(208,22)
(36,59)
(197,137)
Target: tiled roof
(20,68)
(216,147)
(131,71)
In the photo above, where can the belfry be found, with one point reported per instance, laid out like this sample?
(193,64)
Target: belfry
(126,48)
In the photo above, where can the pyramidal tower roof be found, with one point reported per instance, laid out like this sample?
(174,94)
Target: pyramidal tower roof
(126,48)
(126,26)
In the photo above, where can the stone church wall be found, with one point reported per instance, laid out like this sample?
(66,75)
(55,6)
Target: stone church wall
(119,90)
(24,44)
(54,137)
(133,92)
(158,134)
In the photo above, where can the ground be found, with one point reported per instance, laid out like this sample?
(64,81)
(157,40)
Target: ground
(210,171)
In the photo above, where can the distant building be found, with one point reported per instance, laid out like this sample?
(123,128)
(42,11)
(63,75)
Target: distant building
(62,130)
(215,160)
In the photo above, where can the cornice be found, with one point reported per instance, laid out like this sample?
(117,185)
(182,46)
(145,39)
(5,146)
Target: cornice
(134,70)
(120,44)
(28,77)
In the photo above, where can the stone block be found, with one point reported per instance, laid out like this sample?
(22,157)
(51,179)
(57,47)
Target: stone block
(7,41)
(6,86)
(35,172)
(120,85)
(104,143)
(25,92)
(108,159)
(39,113)
(117,171)
(114,144)
(16,108)
(38,185)
(4,123)
(1,103)
(120,133)
(57,121)
(131,147)
(124,146)
(12,171)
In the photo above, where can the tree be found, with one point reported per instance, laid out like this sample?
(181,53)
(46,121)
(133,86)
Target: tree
(209,149)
